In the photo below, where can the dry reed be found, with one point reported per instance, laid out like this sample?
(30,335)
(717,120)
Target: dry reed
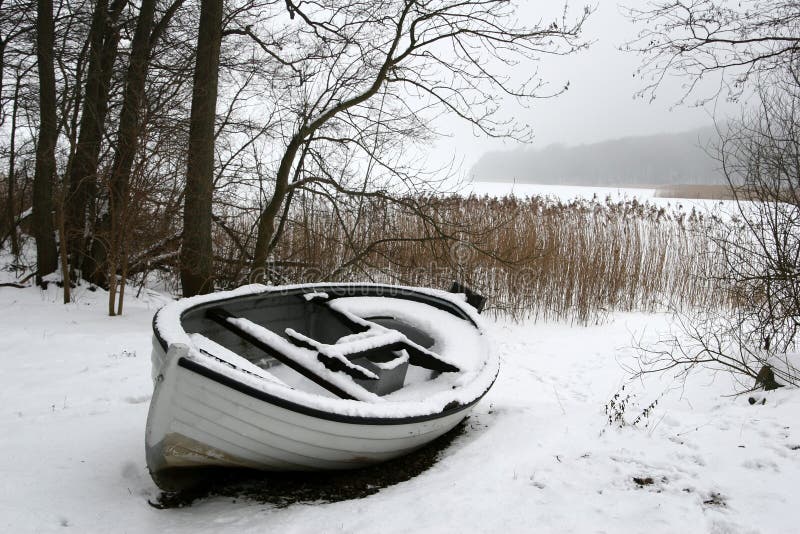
(534,258)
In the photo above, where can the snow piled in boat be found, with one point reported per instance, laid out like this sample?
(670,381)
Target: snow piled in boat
(452,342)
(307,359)
(224,355)
(455,340)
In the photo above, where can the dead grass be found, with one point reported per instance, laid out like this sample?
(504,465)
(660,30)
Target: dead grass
(707,192)
(534,258)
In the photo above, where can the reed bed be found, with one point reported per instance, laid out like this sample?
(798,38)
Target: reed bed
(536,258)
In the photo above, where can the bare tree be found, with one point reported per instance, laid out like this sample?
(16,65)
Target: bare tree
(349,82)
(46,142)
(103,41)
(11,200)
(319,103)
(752,46)
(196,248)
(13,25)
(761,159)
(107,251)
(700,39)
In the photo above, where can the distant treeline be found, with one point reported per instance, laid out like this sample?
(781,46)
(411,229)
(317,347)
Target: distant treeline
(682,158)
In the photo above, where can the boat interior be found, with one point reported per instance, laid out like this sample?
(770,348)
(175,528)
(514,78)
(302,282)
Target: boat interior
(379,353)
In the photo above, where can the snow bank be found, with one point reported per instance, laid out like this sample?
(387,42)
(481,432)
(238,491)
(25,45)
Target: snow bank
(537,454)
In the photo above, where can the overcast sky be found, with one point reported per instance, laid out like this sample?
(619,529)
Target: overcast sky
(599,104)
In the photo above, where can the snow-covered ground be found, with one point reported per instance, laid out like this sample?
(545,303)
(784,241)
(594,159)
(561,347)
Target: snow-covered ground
(539,454)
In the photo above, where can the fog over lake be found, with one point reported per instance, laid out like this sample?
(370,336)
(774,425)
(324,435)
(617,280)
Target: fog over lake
(599,105)
(677,158)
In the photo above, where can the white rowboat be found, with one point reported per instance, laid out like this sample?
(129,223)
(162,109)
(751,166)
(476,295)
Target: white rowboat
(310,377)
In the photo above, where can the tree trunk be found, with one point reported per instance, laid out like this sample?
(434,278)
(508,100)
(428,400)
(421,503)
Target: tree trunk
(196,249)
(12,172)
(44,175)
(266,224)
(3,44)
(95,260)
(128,140)
(104,39)
(62,252)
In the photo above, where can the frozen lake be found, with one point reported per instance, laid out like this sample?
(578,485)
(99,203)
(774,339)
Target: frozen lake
(572,192)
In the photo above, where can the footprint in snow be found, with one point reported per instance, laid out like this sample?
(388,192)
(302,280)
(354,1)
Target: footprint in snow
(137,400)
(670,421)
(761,464)
(130,470)
(679,440)
(779,450)
(696,459)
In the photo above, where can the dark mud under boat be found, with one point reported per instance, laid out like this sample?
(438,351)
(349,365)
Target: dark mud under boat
(310,377)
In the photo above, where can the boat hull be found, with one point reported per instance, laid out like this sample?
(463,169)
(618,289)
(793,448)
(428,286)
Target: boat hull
(196,421)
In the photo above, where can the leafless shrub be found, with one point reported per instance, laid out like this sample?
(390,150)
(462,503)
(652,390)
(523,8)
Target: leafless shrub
(750,48)
(758,252)
(723,340)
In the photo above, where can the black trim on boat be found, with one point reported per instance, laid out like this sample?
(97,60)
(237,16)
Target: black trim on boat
(335,291)
(476,300)
(250,391)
